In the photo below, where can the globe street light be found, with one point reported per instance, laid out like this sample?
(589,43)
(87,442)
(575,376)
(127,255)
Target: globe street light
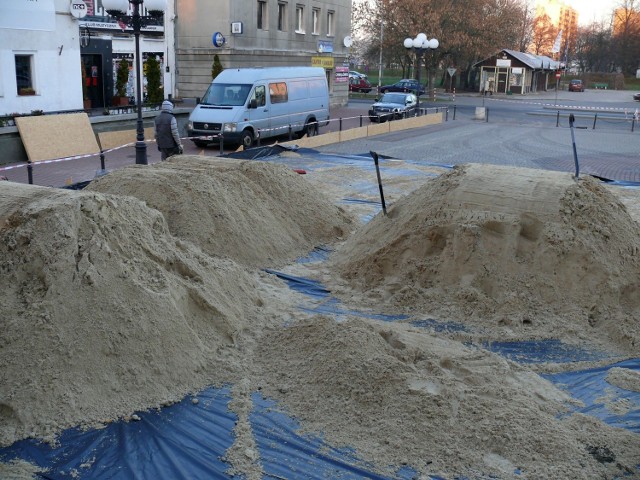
(420,45)
(155,9)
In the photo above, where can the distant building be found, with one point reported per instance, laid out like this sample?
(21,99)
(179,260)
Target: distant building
(513,72)
(564,18)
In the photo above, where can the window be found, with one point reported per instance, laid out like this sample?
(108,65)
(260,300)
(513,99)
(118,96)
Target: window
(24,75)
(259,96)
(299,19)
(262,15)
(278,92)
(330,28)
(282,17)
(315,21)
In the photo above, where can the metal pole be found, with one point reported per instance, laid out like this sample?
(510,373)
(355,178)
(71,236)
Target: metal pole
(573,140)
(380,62)
(419,57)
(375,160)
(141,147)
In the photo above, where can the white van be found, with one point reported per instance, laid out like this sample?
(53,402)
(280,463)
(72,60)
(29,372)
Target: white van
(242,103)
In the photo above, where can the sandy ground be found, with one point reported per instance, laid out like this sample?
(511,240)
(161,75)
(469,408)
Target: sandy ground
(149,285)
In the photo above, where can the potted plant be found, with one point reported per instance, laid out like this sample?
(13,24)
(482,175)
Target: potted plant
(122,78)
(26,91)
(155,93)
(85,91)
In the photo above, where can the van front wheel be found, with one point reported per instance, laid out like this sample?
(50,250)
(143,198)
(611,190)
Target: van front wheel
(247,139)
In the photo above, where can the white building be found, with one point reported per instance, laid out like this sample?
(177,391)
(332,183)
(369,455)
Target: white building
(39,57)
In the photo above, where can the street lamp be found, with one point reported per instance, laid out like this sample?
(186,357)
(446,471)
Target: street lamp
(420,45)
(155,9)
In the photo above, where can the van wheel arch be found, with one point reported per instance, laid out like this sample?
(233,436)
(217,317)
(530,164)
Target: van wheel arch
(310,128)
(247,138)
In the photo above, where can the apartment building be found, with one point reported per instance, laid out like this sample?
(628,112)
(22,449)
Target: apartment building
(261,33)
(564,18)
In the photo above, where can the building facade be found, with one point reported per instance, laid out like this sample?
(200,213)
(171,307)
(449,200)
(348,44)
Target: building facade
(39,57)
(61,55)
(513,72)
(261,33)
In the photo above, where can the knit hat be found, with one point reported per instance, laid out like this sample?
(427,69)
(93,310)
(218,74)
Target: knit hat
(167,106)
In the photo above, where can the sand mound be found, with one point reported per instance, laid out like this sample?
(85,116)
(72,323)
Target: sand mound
(257,213)
(517,252)
(401,396)
(104,312)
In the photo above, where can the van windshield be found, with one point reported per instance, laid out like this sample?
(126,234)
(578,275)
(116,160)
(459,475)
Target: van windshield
(226,94)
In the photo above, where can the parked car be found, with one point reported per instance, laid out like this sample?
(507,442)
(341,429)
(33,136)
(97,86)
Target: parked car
(354,74)
(405,85)
(636,97)
(576,86)
(393,106)
(359,84)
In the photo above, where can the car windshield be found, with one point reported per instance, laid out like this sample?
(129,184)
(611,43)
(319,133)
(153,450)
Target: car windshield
(226,94)
(393,98)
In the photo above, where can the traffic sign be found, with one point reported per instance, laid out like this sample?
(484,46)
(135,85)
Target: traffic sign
(452,71)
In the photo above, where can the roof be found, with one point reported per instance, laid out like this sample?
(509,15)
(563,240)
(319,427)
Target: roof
(531,60)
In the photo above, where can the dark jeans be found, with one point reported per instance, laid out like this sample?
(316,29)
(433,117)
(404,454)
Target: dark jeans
(167,152)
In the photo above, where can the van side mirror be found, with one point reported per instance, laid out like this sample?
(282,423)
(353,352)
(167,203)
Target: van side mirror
(253,103)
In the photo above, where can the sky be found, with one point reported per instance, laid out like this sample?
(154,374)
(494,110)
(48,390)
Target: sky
(593,10)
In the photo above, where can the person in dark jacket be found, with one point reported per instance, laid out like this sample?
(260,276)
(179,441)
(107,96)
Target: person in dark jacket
(166,132)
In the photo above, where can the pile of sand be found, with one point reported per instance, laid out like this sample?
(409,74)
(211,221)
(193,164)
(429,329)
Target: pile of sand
(403,397)
(259,214)
(104,312)
(511,252)
(112,304)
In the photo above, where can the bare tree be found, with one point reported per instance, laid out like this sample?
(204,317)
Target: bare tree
(544,35)
(626,36)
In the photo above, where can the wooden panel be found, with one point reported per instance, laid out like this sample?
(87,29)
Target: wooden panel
(109,140)
(48,137)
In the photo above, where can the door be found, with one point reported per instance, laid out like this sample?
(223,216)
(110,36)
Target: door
(502,82)
(259,116)
(93,88)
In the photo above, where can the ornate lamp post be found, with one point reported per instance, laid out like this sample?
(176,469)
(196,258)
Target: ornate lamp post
(119,9)
(420,45)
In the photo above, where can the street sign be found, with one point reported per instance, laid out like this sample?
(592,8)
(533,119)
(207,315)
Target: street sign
(452,71)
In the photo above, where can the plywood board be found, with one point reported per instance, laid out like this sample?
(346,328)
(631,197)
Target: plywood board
(48,137)
(109,140)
